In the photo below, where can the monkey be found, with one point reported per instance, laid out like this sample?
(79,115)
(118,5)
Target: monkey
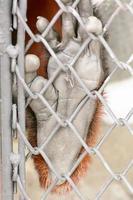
(47,9)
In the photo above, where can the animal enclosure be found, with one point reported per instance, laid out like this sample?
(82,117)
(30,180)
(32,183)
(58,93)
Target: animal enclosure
(16,94)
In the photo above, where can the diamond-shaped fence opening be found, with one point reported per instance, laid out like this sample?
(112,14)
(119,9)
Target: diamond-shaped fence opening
(14,88)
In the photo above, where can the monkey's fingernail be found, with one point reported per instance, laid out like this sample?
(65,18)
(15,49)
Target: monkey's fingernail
(94,25)
(41,24)
(32,63)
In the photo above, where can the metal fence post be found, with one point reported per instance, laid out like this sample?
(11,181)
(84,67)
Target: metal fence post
(21,92)
(6,96)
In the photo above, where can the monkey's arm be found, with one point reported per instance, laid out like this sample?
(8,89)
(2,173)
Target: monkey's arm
(70,94)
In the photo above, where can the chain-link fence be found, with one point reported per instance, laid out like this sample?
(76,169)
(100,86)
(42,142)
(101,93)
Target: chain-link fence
(13,16)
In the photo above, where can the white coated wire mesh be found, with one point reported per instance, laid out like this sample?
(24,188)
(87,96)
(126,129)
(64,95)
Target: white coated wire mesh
(18,122)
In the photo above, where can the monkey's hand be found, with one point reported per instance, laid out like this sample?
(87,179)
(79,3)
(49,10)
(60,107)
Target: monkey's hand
(64,106)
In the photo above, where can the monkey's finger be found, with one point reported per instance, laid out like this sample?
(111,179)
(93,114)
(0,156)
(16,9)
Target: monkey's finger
(52,36)
(91,23)
(37,105)
(85,11)
(32,64)
(36,83)
(68,24)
